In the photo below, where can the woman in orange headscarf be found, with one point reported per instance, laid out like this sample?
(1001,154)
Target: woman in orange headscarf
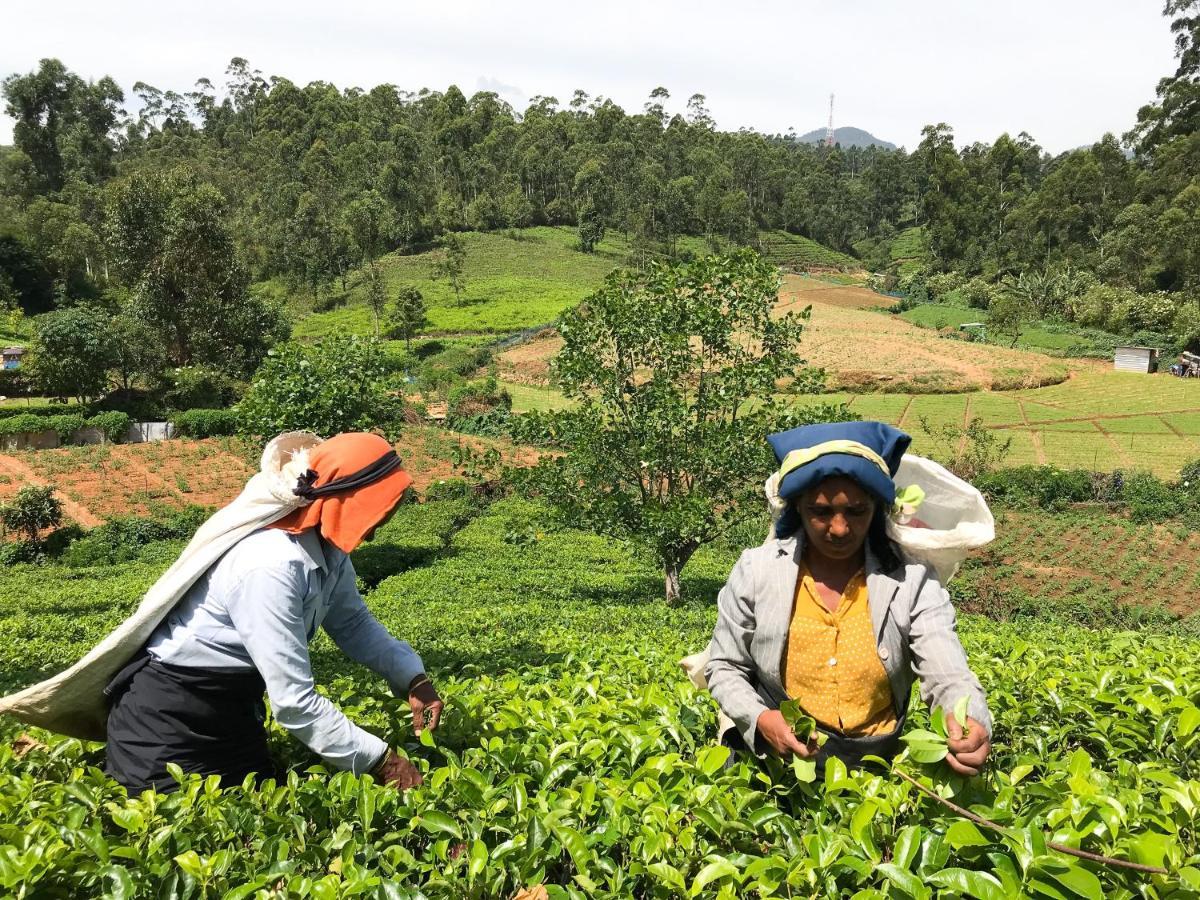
(195,697)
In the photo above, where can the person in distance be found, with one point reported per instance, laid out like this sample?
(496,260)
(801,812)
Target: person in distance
(828,614)
(195,696)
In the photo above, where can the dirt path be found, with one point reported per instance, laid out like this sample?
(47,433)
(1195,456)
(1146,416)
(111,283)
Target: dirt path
(1191,438)
(1137,415)
(13,467)
(1116,445)
(1038,448)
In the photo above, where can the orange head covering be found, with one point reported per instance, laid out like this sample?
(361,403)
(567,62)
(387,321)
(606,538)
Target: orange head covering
(369,484)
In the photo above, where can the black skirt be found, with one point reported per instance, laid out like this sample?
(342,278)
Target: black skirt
(205,721)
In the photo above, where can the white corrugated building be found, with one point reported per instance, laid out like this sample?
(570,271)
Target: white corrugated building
(1136,359)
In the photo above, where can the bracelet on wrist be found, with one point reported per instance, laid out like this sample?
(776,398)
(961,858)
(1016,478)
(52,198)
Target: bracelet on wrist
(418,681)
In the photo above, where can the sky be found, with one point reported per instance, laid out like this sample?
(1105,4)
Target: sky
(1065,71)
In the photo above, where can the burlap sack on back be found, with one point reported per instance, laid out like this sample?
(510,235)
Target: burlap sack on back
(72,702)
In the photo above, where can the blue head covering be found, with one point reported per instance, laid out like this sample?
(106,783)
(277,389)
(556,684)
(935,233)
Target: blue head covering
(868,452)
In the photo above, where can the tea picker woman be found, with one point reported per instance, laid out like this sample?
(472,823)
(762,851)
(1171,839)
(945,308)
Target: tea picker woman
(194,697)
(829,614)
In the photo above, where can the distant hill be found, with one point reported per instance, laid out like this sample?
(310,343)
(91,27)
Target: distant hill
(847,137)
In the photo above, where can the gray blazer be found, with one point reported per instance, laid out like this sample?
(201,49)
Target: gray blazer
(912,617)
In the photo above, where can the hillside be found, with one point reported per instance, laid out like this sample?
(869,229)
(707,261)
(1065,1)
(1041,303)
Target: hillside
(792,251)
(846,136)
(518,279)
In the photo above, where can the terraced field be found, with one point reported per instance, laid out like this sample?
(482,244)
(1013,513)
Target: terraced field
(1098,419)
(860,349)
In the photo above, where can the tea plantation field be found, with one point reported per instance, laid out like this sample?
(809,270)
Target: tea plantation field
(576,760)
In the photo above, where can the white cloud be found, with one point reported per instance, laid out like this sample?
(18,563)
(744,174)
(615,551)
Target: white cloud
(1065,71)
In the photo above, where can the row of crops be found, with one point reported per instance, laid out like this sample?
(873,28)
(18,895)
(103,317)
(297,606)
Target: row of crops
(576,760)
(781,248)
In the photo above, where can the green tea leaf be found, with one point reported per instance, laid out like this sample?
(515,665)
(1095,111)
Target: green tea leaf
(720,868)
(436,822)
(711,760)
(961,714)
(965,834)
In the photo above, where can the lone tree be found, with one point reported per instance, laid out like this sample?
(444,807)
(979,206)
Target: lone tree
(408,315)
(452,265)
(31,511)
(376,292)
(73,350)
(1013,307)
(675,371)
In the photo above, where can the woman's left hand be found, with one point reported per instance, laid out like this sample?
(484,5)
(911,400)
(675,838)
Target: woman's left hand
(967,754)
(425,702)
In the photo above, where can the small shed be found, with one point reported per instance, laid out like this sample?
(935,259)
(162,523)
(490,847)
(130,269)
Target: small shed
(1136,359)
(10,357)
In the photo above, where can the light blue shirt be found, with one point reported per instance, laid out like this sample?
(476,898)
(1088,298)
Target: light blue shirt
(259,606)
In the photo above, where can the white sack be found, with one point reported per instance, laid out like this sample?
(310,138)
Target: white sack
(955,515)
(72,702)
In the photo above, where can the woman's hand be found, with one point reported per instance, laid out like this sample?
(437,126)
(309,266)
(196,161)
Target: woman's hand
(425,702)
(397,772)
(967,754)
(783,740)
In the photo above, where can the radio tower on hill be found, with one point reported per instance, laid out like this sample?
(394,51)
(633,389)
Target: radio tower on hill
(829,130)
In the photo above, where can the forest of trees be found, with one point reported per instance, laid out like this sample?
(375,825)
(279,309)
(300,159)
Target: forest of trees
(308,182)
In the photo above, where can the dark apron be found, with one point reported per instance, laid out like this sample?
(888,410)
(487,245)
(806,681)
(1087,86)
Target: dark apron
(203,720)
(850,750)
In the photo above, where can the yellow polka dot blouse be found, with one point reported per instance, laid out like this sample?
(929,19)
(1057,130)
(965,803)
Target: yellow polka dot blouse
(831,664)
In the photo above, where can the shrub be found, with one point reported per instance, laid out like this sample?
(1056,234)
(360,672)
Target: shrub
(479,407)
(1189,481)
(32,511)
(201,387)
(23,422)
(33,409)
(979,293)
(1044,486)
(968,451)
(203,423)
(1149,499)
(122,539)
(944,283)
(113,425)
(64,425)
(449,489)
(334,385)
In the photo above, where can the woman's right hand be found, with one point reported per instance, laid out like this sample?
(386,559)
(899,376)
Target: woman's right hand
(783,740)
(398,772)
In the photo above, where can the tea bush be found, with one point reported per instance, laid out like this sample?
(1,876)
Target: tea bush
(576,759)
(202,423)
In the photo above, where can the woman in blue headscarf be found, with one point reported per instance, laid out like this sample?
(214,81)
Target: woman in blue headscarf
(828,614)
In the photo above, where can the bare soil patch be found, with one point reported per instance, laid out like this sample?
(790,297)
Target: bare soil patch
(103,482)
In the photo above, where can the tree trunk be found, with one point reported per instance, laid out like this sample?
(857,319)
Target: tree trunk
(673,564)
(671,576)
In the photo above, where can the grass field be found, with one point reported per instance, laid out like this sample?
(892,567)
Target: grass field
(511,283)
(514,280)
